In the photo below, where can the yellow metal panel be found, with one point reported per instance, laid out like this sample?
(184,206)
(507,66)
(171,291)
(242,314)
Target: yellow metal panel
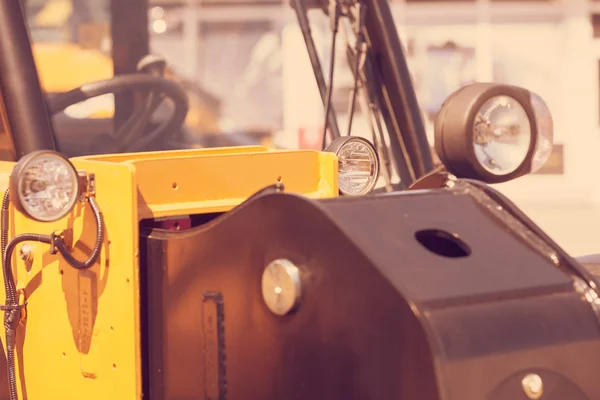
(216,180)
(218,183)
(159,155)
(81,337)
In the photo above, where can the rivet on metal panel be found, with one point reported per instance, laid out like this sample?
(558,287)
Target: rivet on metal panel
(281,286)
(533,386)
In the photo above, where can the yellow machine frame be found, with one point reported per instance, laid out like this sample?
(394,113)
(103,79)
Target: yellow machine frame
(85,324)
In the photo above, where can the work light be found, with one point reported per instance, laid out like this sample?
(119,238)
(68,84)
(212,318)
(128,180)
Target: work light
(44,185)
(493,132)
(358,165)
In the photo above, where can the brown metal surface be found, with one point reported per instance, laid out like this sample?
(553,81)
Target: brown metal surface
(382,316)
(324,350)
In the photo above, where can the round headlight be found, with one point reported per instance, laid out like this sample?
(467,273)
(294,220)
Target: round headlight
(44,185)
(493,132)
(358,165)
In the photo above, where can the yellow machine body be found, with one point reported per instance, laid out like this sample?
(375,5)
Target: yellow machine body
(80,334)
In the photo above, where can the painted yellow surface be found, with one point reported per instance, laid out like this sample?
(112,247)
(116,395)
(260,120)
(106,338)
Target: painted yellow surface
(81,339)
(55,13)
(66,66)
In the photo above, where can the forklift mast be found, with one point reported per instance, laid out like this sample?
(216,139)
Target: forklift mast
(389,79)
(400,107)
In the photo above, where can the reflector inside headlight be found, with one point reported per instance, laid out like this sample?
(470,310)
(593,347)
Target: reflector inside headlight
(358,165)
(44,185)
(501,135)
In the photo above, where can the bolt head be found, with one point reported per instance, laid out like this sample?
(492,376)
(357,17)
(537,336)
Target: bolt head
(533,386)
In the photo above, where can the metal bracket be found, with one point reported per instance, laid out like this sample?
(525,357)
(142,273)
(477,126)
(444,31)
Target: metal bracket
(87,185)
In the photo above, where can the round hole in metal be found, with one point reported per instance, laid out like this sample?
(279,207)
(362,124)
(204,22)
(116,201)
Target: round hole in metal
(443,243)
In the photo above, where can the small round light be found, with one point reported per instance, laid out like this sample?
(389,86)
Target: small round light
(358,165)
(501,135)
(44,185)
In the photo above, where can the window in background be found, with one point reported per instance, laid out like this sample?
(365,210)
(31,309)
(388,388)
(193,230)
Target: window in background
(539,71)
(442,59)
(237,63)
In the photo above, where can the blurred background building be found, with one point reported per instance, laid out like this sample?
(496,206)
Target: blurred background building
(246,63)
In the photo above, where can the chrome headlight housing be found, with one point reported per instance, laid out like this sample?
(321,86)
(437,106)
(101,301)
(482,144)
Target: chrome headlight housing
(44,185)
(493,132)
(358,165)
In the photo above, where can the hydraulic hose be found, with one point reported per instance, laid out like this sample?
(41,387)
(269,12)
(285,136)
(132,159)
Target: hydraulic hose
(12,309)
(4,222)
(97,246)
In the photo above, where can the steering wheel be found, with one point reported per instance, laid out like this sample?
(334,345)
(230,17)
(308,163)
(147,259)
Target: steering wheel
(131,136)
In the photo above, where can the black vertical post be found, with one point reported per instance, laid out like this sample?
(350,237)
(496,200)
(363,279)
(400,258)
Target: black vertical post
(24,101)
(130,42)
(303,22)
(402,113)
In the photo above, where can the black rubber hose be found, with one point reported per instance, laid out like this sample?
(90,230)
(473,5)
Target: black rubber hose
(12,309)
(97,246)
(4,222)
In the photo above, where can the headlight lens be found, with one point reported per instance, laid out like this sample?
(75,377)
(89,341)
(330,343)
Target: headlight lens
(358,165)
(545,130)
(501,135)
(44,185)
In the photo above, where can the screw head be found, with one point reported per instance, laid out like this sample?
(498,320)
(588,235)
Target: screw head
(533,386)
(25,252)
(281,286)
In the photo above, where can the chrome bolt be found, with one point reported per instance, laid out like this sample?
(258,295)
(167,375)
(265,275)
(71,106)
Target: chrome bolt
(533,386)
(26,252)
(281,286)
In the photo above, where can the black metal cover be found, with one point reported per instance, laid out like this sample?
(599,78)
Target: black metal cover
(414,296)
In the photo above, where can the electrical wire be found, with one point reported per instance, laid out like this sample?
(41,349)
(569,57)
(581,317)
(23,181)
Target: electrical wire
(354,92)
(97,246)
(335,17)
(12,308)
(360,40)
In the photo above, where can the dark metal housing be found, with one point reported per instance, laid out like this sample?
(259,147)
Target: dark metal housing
(425,295)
